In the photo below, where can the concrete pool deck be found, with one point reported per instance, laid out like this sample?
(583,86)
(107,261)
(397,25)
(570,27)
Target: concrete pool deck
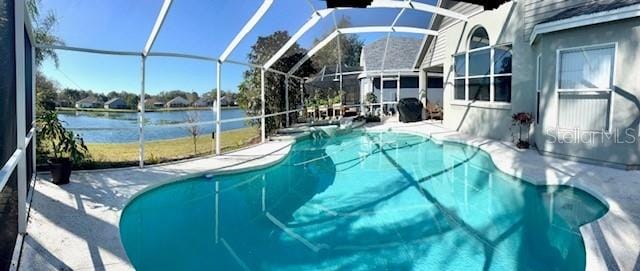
(75,226)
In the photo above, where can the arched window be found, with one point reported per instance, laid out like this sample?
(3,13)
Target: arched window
(479,38)
(483,72)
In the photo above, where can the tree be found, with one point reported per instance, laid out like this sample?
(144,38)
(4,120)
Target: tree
(350,48)
(43,32)
(191,118)
(46,93)
(248,97)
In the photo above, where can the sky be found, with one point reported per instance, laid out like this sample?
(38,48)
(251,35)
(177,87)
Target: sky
(201,27)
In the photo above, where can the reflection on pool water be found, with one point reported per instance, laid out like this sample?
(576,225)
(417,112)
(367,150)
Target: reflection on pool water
(362,201)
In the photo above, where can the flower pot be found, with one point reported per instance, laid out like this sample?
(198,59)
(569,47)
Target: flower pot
(60,170)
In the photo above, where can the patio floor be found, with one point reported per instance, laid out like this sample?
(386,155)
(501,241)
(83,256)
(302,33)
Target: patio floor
(75,226)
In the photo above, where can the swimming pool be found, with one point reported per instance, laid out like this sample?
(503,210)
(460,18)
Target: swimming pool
(361,201)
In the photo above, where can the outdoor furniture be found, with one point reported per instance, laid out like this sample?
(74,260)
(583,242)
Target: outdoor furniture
(311,112)
(323,109)
(337,109)
(410,110)
(433,111)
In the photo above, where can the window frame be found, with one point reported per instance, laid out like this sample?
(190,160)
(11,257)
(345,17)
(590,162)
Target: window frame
(610,91)
(491,74)
(559,52)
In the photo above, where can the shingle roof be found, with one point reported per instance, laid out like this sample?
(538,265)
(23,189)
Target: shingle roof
(590,7)
(401,53)
(112,100)
(89,99)
(178,100)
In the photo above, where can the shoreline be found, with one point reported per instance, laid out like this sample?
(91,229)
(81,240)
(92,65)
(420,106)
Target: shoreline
(174,109)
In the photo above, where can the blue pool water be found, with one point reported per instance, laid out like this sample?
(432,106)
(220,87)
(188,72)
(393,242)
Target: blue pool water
(362,201)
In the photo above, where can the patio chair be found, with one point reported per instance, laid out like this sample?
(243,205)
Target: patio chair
(323,109)
(433,111)
(311,112)
(337,110)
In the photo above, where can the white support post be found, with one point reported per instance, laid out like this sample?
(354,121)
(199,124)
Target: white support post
(217,104)
(302,93)
(142,108)
(363,92)
(382,92)
(398,88)
(286,98)
(21,127)
(33,111)
(262,121)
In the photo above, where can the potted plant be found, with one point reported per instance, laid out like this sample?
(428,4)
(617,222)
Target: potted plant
(65,148)
(522,119)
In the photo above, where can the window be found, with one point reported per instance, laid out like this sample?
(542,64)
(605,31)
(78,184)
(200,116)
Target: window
(479,39)
(586,69)
(388,83)
(584,84)
(409,82)
(435,82)
(483,73)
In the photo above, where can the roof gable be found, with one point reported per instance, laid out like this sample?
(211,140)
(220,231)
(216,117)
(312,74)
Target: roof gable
(401,53)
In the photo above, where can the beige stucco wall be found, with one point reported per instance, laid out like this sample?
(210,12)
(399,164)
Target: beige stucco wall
(626,113)
(493,120)
(485,119)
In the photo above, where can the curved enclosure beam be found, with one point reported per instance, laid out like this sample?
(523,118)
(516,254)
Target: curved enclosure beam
(315,18)
(418,6)
(320,14)
(313,51)
(387,29)
(246,29)
(355,30)
(156,27)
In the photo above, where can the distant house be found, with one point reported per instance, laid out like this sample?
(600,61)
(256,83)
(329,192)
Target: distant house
(177,102)
(227,101)
(115,103)
(88,102)
(152,103)
(203,102)
(64,103)
(224,101)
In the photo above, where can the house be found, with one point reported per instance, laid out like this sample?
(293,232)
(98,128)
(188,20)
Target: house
(399,79)
(89,102)
(115,103)
(573,65)
(226,101)
(177,102)
(203,102)
(151,103)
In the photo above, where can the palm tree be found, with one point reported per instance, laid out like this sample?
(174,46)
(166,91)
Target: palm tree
(43,32)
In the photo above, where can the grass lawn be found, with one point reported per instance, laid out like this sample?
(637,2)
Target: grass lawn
(122,154)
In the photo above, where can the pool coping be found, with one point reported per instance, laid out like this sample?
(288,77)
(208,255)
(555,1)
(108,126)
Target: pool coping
(215,172)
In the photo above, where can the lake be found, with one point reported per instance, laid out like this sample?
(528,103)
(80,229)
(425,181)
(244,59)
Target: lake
(122,127)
